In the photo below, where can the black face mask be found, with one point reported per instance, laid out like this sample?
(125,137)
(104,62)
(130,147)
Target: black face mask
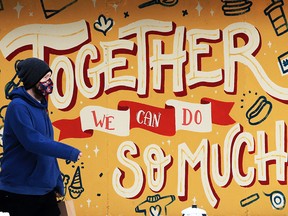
(45,88)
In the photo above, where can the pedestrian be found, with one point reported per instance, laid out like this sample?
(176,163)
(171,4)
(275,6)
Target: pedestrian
(30,179)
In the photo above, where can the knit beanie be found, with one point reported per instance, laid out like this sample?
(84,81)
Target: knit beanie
(31,70)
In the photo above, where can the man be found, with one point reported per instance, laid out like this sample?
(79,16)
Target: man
(30,177)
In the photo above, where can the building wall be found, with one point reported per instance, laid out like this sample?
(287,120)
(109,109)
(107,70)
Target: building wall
(172,103)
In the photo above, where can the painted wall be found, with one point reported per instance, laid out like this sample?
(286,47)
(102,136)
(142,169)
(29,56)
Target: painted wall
(171,102)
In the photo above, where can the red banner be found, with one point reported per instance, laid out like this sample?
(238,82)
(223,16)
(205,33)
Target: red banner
(157,120)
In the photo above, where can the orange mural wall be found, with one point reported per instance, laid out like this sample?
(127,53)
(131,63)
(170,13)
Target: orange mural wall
(172,102)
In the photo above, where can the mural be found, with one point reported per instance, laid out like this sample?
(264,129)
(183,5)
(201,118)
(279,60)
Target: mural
(169,101)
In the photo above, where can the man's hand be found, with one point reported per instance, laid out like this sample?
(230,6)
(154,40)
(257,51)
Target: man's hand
(80,155)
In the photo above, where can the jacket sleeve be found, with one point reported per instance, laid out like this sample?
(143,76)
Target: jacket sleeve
(19,119)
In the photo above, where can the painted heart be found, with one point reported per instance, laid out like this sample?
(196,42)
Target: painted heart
(155,210)
(103,24)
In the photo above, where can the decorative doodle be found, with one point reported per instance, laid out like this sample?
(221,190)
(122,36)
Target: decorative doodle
(49,10)
(249,200)
(167,3)
(154,205)
(126,14)
(277,17)
(283,63)
(184,12)
(66,179)
(76,188)
(2,115)
(277,199)
(103,24)
(259,111)
(100,175)
(244,95)
(235,8)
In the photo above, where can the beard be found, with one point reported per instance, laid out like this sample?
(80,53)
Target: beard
(37,92)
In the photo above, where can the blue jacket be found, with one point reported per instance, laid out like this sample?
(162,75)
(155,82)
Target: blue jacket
(29,164)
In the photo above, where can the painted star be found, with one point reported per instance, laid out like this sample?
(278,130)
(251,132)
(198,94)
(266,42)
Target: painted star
(18,8)
(96,150)
(269,44)
(94,3)
(88,202)
(212,12)
(115,6)
(169,142)
(199,8)
(194,200)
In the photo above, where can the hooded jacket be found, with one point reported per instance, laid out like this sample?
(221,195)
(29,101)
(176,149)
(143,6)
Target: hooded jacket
(29,164)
